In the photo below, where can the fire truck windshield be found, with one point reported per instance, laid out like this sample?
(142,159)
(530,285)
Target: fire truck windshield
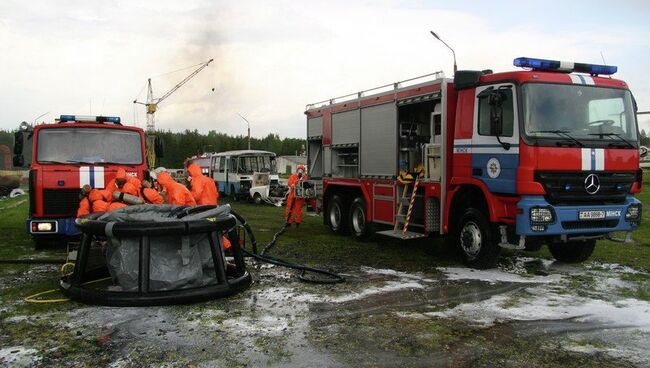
(580,115)
(89,145)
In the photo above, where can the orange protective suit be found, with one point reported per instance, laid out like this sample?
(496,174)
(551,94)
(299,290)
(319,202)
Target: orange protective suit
(84,207)
(203,189)
(152,196)
(97,202)
(293,211)
(116,205)
(176,193)
(131,185)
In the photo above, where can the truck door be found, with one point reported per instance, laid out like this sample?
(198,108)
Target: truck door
(495,155)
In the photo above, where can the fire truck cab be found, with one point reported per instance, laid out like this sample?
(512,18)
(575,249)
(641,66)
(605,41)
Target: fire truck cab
(546,155)
(68,154)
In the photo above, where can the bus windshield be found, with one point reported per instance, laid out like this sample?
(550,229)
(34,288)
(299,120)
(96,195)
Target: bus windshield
(89,145)
(586,115)
(251,164)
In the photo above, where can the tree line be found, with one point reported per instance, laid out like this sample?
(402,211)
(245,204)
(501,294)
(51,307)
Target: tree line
(181,145)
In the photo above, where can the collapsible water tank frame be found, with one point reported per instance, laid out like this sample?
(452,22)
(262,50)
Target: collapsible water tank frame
(229,278)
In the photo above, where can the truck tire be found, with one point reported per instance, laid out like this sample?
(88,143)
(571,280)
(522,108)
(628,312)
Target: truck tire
(572,252)
(257,198)
(476,240)
(336,215)
(359,227)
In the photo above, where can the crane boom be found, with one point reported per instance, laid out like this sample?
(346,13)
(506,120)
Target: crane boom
(180,84)
(152,103)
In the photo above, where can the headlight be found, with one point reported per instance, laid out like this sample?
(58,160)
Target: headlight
(43,227)
(541,215)
(633,212)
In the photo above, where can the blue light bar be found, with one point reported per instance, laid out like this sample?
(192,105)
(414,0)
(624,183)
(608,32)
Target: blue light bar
(86,118)
(564,66)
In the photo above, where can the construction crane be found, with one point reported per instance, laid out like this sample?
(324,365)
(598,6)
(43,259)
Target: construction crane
(152,103)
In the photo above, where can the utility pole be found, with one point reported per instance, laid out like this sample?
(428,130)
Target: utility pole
(249,130)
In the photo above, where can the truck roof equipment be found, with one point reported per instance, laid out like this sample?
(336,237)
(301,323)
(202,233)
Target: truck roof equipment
(564,66)
(89,118)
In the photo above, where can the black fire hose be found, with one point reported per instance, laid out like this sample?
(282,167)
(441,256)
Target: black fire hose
(332,278)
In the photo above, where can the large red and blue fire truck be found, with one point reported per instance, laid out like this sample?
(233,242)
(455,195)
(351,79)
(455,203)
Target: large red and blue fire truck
(547,155)
(68,154)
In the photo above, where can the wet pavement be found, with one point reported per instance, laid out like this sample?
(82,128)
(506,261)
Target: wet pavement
(528,312)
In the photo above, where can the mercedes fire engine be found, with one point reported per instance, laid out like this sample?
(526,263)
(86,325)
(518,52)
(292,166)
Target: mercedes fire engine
(70,153)
(545,155)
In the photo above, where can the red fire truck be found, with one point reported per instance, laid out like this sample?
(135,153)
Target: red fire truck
(544,155)
(66,155)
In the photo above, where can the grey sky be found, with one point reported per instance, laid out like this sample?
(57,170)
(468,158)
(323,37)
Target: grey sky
(274,57)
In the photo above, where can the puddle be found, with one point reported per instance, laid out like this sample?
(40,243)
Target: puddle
(380,317)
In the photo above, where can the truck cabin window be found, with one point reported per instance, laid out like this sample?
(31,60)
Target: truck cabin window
(589,114)
(507,117)
(89,146)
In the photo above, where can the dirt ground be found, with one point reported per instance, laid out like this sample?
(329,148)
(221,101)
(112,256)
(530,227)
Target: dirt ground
(529,312)
(403,304)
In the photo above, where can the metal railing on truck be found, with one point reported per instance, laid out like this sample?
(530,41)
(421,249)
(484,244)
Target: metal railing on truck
(404,84)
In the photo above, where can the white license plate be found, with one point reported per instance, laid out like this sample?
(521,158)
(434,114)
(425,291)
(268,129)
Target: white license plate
(591,215)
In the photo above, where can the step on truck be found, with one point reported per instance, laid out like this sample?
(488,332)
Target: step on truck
(546,155)
(70,153)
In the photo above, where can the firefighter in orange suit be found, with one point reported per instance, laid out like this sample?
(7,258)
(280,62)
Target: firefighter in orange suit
(176,193)
(203,188)
(293,212)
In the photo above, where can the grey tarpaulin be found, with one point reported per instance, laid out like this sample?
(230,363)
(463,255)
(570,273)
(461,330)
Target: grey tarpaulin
(176,262)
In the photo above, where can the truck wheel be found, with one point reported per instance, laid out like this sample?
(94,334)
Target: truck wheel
(359,228)
(257,198)
(572,252)
(336,214)
(476,240)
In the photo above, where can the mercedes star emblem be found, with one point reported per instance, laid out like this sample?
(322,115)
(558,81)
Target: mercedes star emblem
(592,184)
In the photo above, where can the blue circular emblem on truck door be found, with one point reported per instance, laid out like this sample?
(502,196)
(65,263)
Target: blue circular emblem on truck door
(493,168)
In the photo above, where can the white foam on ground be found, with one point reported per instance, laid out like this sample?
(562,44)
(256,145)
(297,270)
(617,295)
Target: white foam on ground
(545,304)
(18,356)
(494,276)
(398,274)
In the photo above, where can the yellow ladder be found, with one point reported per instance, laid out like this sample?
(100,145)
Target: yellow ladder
(406,216)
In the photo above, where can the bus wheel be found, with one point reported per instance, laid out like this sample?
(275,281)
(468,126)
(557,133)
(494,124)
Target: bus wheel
(257,198)
(336,215)
(572,252)
(360,229)
(476,240)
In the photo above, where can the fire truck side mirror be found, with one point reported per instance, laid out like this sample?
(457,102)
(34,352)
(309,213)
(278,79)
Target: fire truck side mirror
(643,151)
(19,161)
(18,143)
(159,147)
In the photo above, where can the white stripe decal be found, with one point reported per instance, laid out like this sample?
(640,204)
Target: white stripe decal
(588,80)
(575,79)
(99,177)
(462,141)
(586,159)
(600,159)
(84,176)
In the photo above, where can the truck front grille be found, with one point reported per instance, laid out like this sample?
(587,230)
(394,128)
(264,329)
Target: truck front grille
(60,202)
(568,187)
